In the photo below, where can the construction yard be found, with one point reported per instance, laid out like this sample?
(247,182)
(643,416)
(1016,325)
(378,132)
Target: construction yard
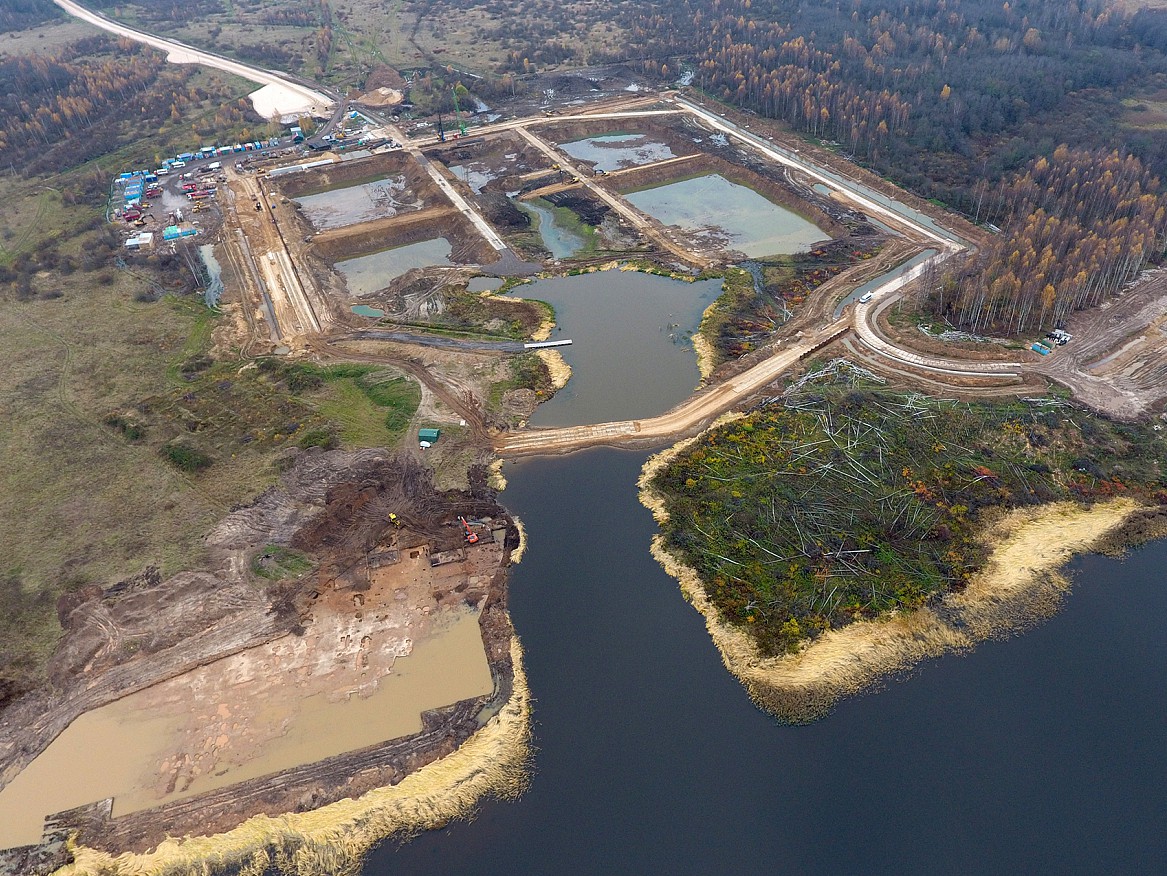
(380,290)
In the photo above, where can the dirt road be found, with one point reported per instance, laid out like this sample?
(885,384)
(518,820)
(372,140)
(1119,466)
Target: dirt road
(641,223)
(687,417)
(295,311)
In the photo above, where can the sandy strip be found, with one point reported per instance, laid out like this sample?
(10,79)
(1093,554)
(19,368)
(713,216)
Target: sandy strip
(557,367)
(517,553)
(706,354)
(335,838)
(495,478)
(1019,585)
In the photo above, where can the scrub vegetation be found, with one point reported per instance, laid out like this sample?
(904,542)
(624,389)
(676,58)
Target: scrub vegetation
(844,503)
(751,307)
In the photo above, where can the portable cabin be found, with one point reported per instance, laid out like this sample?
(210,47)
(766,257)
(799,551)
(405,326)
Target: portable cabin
(428,436)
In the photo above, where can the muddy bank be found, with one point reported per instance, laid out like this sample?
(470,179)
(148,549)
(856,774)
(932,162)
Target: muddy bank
(331,509)
(1019,585)
(490,762)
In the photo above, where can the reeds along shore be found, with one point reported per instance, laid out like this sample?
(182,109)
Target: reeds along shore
(1019,584)
(335,838)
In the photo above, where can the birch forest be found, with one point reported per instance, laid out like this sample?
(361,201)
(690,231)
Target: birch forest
(1076,227)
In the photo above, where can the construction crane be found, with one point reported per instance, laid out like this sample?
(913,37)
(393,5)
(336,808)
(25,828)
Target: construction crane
(471,535)
(458,109)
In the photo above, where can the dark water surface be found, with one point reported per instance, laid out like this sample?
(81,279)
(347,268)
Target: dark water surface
(631,355)
(1046,753)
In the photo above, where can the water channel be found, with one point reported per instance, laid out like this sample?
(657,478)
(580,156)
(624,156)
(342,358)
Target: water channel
(1043,753)
(561,242)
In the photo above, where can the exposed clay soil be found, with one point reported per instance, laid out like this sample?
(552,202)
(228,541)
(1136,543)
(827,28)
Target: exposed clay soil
(333,508)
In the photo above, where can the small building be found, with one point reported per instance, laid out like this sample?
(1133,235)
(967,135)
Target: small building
(145,240)
(427,436)
(174,232)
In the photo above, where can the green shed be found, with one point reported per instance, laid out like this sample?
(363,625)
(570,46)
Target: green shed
(429,435)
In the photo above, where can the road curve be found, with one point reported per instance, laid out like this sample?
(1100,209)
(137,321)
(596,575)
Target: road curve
(180,53)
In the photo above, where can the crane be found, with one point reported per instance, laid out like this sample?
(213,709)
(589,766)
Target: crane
(471,535)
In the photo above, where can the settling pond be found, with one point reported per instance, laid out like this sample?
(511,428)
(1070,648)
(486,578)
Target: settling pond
(1040,754)
(617,151)
(367,274)
(379,199)
(117,750)
(630,355)
(733,215)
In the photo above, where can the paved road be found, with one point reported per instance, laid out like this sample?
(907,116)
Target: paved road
(180,53)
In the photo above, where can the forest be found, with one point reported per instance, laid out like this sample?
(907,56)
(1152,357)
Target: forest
(93,97)
(845,501)
(936,94)
(1076,227)
(965,102)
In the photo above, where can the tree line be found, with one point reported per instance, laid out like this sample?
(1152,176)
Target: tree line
(1076,227)
(934,93)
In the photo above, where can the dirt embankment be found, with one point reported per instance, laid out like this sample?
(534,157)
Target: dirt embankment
(1019,585)
(357,172)
(331,508)
(366,238)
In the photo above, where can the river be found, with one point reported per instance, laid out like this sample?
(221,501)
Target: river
(1042,753)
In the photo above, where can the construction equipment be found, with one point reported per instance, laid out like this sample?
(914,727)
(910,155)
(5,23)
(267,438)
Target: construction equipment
(471,535)
(458,109)
(394,519)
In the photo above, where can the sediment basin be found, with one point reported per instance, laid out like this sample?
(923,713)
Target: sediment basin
(155,746)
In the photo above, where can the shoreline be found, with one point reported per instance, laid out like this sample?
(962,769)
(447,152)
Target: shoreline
(336,837)
(1019,585)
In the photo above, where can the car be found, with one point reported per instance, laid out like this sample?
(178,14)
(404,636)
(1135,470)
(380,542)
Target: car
(178,164)
(865,297)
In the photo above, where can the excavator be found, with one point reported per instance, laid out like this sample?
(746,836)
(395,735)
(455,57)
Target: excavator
(471,535)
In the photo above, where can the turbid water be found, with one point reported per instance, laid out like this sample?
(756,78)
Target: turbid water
(559,241)
(615,151)
(733,215)
(630,355)
(116,751)
(1044,753)
(367,274)
(366,310)
(337,208)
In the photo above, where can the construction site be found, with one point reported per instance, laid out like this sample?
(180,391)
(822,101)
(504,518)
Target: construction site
(388,585)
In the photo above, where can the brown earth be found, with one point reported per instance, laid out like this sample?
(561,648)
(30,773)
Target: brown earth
(333,508)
